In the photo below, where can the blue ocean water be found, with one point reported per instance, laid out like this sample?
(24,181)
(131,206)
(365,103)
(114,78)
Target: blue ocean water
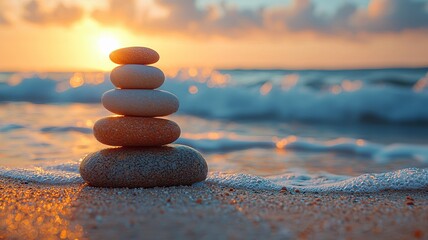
(301,127)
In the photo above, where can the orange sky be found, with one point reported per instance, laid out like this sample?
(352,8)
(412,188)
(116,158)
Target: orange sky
(83,45)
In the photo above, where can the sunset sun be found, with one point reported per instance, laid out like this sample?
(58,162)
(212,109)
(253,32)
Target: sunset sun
(107,43)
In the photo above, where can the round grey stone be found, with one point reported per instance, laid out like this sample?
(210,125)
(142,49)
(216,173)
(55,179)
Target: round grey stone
(169,165)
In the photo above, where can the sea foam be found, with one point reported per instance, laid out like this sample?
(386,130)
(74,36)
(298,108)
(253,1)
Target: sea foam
(400,180)
(404,179)
(55,174)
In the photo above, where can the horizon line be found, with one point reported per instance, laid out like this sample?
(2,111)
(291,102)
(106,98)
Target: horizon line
(236,69)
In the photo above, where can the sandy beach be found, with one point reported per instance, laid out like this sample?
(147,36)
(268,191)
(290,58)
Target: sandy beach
(269,119)
(37,211)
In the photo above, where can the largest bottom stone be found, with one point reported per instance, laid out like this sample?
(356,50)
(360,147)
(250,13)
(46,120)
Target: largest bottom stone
(169,165)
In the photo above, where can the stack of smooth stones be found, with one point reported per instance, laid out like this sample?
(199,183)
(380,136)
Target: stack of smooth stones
(144,156)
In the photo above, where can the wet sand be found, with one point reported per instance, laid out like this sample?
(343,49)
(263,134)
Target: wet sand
(35,211)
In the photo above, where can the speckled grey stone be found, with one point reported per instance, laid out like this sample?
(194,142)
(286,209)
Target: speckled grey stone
(169,165)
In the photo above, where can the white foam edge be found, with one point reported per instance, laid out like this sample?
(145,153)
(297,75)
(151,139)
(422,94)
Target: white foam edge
(400,180)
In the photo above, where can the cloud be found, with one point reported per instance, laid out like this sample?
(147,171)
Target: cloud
(119,12)
(300,16)
(63,15)
(392,16)
(380,16)
(180,16)
(214,19)
(3,19)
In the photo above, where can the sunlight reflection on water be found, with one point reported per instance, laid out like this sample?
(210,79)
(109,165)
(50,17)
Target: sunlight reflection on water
(33,134)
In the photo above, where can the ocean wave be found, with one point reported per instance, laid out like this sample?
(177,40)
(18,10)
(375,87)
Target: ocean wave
(366,104)
(54,129)
(37,89)
(318,97)
(218,142)
(10,127)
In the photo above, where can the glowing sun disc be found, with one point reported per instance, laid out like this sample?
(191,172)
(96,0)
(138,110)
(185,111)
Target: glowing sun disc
(107,44)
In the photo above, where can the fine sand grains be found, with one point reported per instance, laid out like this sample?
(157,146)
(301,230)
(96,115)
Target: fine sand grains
(34,211)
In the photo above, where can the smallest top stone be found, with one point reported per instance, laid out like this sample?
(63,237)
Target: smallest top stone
(134,55)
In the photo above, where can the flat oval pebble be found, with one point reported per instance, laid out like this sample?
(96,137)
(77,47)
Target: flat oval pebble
(135,131)
(170,165)
(134,55)
(140,102)
(133,76)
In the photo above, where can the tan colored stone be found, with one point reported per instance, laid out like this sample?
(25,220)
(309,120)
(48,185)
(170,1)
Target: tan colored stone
(170,165)
(135,131)
(134,76)
(140,102)
(134,55)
